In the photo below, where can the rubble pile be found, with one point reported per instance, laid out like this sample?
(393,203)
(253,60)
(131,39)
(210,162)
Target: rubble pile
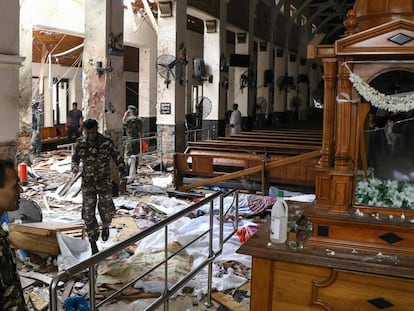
(58,194)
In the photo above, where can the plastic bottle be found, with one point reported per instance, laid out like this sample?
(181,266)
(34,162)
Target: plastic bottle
(279,220)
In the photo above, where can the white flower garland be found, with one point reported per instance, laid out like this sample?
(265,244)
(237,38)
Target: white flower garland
(380,100)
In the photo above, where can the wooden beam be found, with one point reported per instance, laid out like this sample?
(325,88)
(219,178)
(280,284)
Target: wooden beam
(252,170)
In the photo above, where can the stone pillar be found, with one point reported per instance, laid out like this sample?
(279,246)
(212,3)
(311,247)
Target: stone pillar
(292,93)
(241,95)
(214,50)
(103,65)
(25,83)
(25,80)
(263,63)
(171,97)
(10,62)
(253,65)
(329,103)
(211,89)
(147,106)
(224,75)
(280,72)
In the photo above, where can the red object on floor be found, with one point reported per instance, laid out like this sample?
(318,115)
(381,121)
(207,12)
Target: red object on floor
(144,146)
(22,173)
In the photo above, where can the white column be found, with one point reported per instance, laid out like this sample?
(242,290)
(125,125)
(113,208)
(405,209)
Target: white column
(212,62)
(280,72)
(25,81)
(103,47)
(241,95)
(171,98)
(9,76)
(292,72)
(263,60)
(303,88)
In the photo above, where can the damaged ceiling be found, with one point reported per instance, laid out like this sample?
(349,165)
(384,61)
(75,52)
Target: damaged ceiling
(328,16)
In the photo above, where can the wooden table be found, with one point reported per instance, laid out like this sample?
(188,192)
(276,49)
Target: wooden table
(318,278)
(41,237)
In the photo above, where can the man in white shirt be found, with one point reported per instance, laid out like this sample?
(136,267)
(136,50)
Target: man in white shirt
(235,120)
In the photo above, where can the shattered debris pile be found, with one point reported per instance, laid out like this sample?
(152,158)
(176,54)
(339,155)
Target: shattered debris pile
(58,194)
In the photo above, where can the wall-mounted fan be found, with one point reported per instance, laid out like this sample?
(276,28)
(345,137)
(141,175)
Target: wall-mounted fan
(247,79)
(295,103)
(261,104)
(170,68)
(203,107)
(28,211)
(285,82)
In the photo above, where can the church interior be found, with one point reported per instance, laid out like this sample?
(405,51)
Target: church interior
(325,96)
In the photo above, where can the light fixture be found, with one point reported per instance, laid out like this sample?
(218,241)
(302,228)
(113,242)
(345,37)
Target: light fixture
(100,70)
(211,26)
(165,8)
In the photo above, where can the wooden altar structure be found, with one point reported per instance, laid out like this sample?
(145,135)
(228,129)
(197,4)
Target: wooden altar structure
(378,48)
(331,274)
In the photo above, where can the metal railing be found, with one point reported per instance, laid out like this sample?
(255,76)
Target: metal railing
(198,134)
(90,263)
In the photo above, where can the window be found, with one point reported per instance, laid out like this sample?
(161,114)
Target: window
(131,94)
(60,102)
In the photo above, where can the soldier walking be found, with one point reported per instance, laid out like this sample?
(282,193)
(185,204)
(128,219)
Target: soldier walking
(36,126)
(133,128)
(95,151)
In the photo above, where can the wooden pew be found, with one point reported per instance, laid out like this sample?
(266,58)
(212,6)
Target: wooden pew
(251,147)
(296,170)
(52,136)
(215,158)
(265,139)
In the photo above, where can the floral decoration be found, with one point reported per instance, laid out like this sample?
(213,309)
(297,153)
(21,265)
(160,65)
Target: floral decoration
(385,193)
(380,100)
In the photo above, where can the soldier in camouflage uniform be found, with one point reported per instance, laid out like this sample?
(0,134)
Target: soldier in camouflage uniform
(36,126)
(11,294)
(133,129)
(96,151)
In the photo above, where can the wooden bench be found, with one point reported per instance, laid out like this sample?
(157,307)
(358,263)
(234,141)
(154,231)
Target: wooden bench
(52,136)
(263,147)
(214,158)
(266,139)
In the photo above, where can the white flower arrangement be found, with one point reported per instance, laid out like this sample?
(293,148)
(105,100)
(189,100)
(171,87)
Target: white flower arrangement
(380,100)
(384,193)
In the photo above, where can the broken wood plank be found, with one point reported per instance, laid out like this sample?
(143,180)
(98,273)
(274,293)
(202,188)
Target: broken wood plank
(37,276)
(39,297)
(39,236)
(252,170)
(228,302)
(68,290)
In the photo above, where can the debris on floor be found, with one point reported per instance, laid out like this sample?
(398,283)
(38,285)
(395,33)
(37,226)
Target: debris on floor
(58,240)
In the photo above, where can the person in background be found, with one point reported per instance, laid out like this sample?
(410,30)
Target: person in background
(74,122)
(11,293)
(95,151)
(132,124)
(235,120)
(36,126)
